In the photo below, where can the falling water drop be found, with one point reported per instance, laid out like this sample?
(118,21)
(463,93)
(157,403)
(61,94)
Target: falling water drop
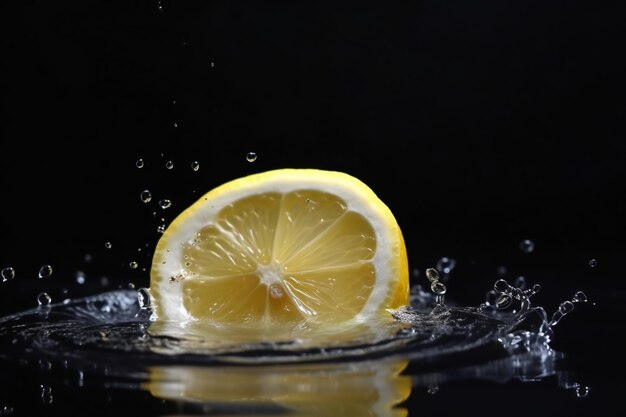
(45,271)
(520,282)
(527,246)
(170,164)
(145,196)
(593,263)
(43,299)
(165,203)
(432,274)
(251,156)
(438,288)
(133,265)
(161,228)
(7,273)
(195,165)
(80,277)
(108,245)
(139,163)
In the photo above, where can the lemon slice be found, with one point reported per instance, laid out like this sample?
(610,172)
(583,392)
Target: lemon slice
(286,246)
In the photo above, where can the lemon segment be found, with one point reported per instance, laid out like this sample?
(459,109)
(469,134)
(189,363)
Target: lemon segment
(282,246)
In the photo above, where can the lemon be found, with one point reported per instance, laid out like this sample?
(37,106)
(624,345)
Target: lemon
(281,247)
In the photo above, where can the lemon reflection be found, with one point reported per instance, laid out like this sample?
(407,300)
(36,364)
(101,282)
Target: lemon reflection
(368,388)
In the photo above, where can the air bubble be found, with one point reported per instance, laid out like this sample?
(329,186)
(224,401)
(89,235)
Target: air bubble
(133,265)
(432,274)
(43,299)
(143,296)
(165,203)
(593,263)
(7,273)
(251,156)
(45,271)
(195,165)
(580,297)
(170,164)
(445,265)
(527,246)
(139,163)
(145,196)
(276,291)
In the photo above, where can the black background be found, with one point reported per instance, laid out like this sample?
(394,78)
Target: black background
(479,123)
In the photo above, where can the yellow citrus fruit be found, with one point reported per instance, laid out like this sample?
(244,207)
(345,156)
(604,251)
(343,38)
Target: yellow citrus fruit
(286,246)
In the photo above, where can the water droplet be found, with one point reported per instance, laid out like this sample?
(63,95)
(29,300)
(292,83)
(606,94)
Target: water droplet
(503,301)
(501,270)
(145,196)
(170,164)
(566,307)
(80,277)
(438,288)
(446,265)
(108,245)
(491,298)
(160,5)
(580,297)
(161,228)
(131,285)
(7,273)
(520,282)
(143,296)
(46,394)
(45,271)
(139,163)
(133,265)
(501,286)
(43,299)
(212,64)
(432,274)
(251,156)
(165,203)
(433,389)
(88,258)
(416,273)
(195,165)
(593,263)
(276,291)
(582,391)
(527,246)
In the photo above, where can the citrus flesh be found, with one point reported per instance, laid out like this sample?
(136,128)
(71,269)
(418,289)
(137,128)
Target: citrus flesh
(281,247)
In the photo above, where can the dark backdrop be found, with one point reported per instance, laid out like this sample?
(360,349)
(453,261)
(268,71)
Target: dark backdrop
(479,123)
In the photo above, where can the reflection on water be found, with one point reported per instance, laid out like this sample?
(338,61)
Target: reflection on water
(366,388)
(107,340)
